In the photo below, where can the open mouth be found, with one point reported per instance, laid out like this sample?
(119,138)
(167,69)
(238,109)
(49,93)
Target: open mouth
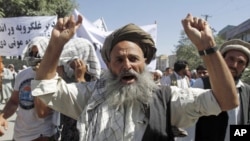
(128,79)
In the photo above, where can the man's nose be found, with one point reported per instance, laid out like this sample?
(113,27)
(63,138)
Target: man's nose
(234,64)
(126,64)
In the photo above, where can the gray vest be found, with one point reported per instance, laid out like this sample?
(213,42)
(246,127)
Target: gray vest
(158,112)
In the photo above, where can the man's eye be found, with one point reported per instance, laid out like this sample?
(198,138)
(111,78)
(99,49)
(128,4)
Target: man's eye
(119,60)
(133,59)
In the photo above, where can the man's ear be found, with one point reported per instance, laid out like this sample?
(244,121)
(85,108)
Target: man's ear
(145,60)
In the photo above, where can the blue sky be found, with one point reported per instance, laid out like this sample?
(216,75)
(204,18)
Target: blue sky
(167,14)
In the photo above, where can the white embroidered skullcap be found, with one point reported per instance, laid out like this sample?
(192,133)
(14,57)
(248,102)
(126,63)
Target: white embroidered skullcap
(159,72)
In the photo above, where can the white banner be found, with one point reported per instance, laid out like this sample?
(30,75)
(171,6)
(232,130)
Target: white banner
(95,35)
(17,32)
(100,24)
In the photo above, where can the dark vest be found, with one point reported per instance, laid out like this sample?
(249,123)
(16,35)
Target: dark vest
(213,128)
(158,112)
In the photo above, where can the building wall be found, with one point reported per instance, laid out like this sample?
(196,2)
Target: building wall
(162,62)
(242,31)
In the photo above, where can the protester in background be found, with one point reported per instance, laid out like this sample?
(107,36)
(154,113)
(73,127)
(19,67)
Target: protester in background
(201,71)
(179,77)
(78,63)
(157,75)
(29,125)
(236,54)
(126,104)
(68,126)
(80,48)
(167,72)
(6,86)
(11,67)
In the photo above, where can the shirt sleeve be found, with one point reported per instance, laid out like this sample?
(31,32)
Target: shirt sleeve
(69,99)
(187,105)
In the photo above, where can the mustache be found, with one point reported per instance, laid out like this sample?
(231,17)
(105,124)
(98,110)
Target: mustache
(130,72)
(234,69)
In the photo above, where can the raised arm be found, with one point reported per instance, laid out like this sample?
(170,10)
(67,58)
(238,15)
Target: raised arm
(222,83)
(61,34)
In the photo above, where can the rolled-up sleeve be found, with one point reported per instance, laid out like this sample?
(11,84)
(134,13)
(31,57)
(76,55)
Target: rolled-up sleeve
(187,105)
(69,99)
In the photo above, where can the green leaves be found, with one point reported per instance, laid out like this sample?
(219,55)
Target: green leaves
(16,8)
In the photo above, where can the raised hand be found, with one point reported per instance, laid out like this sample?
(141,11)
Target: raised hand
(199,32)
(79,68)
(65,29)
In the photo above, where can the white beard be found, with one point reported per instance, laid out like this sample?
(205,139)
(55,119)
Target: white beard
(140,91)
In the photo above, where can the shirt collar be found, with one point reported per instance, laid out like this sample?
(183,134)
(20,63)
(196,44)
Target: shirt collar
(239,84)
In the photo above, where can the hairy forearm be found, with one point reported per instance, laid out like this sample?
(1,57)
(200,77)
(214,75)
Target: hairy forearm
(223,87)
(47,68)
(221,80)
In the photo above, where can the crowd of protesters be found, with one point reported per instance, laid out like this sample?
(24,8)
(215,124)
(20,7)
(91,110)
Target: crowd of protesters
(64,94)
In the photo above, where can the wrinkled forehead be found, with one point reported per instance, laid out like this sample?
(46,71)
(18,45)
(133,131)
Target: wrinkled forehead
(236,53)
(126,48)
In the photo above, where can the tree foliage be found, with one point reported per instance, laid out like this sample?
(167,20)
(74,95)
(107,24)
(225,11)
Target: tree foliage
(246,76)
(185,50)
(17,8)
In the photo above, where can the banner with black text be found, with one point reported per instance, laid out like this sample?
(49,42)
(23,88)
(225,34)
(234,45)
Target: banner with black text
(16,32)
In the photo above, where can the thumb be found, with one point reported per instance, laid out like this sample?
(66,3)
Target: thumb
(79,21)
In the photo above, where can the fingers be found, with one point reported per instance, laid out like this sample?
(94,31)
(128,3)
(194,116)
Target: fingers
(79,21)
(80,64)
(3,128)
(77,63)
(195,22)
(65,23)
(61,23)
(186,23)
(69,22)
(198,31)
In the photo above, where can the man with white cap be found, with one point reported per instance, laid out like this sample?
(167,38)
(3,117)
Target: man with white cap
(236,54)
(29,126)
(125,104)
(157,76)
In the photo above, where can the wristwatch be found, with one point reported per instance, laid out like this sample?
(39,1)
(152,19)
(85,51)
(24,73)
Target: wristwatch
(208,51)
